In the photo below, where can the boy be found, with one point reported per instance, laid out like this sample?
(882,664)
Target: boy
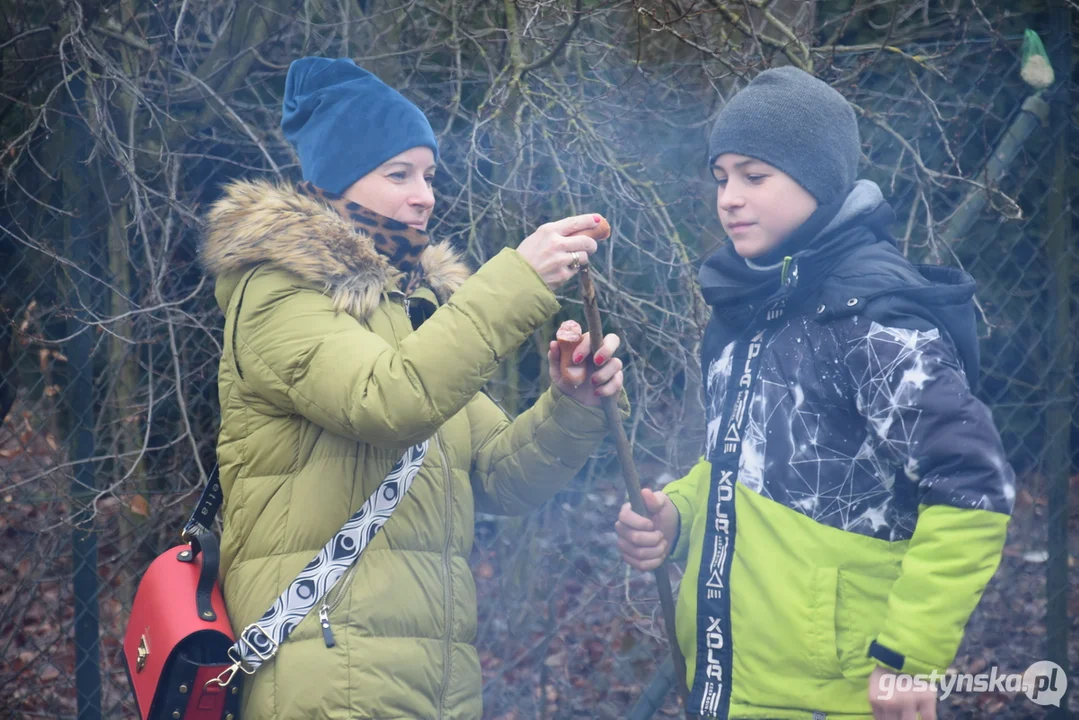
(854,496)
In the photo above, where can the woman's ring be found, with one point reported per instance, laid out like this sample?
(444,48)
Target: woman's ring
(576,263)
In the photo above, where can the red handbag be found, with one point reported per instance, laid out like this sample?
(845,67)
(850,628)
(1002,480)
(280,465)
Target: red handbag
(178,634)
(182,657)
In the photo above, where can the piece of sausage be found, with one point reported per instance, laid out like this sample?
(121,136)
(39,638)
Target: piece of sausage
(569,337)
(602,231)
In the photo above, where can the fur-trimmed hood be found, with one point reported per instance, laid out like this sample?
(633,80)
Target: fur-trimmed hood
(261,222)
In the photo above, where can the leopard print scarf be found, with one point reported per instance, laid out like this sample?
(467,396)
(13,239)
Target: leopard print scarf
(399,243)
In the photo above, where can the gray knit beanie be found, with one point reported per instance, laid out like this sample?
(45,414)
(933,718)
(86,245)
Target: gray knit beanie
(797,123)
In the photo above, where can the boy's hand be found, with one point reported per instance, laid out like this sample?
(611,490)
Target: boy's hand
(891,703)
(646,541)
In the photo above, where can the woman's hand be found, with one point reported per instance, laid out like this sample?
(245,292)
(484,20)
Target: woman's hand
(558,249)
(603,380)
(646,541)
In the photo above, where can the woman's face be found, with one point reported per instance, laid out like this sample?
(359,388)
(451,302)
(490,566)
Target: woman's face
(399,188)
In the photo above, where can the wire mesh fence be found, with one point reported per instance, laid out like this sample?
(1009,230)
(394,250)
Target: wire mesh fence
(121,123)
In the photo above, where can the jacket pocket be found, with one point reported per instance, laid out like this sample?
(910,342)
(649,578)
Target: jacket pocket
(823,658)
(861,607)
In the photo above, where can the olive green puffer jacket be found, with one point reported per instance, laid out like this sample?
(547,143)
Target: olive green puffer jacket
(323,384)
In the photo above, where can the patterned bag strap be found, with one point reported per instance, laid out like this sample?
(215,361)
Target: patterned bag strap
(260,640)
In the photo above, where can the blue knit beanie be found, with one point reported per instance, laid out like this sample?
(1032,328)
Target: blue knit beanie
(344,122)
(797,123)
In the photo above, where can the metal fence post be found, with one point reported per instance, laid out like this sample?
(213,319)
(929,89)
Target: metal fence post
(81,397)
(1058,456)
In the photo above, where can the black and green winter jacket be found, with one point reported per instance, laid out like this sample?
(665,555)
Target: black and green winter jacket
(854,495)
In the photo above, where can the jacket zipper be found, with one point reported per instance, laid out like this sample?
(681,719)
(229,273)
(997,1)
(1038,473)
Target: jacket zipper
(786,269)
(324,622)
(327,607)
(448,594)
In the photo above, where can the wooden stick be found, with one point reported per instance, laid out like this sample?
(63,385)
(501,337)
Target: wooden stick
(633,481)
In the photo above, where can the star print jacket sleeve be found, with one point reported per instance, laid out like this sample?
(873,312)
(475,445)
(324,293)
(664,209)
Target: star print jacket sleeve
(921,414)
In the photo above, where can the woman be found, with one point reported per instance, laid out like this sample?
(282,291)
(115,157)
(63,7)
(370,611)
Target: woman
(335,361)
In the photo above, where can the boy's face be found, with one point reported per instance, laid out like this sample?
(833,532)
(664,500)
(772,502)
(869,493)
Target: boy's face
(759,205)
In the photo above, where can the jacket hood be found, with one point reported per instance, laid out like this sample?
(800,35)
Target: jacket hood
(865,202)
(891,291)
(861,218)
(256,222)
(850,266)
